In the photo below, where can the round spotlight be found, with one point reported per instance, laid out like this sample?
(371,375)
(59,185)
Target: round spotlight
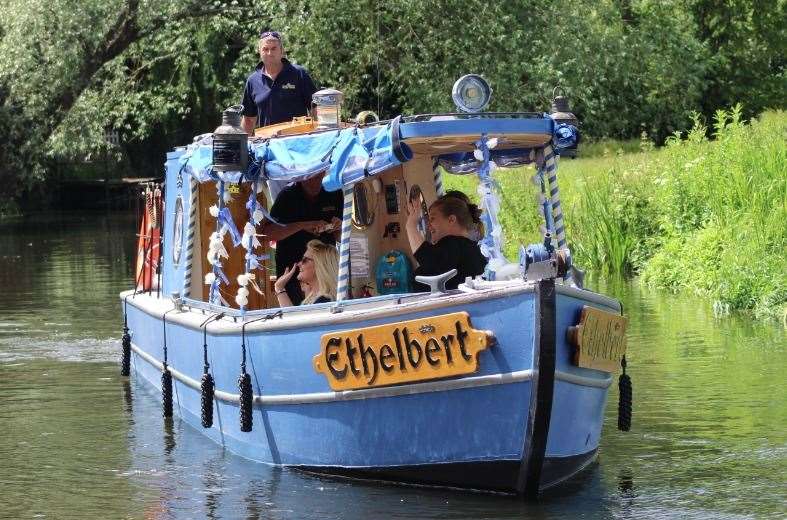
(471,93)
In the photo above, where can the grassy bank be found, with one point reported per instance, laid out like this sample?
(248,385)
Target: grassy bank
(707,216)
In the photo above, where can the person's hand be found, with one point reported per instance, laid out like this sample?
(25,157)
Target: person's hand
(413,212)
(281,282)
(315,227)
(336,222)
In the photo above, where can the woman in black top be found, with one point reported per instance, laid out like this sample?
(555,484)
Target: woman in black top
(451,221)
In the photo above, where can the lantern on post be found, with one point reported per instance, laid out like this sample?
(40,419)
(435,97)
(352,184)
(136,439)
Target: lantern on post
(328,108)
(564,119)
(230,142)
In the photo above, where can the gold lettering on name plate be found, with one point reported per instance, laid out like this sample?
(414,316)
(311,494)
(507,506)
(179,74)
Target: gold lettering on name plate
(402,352)
(599,339)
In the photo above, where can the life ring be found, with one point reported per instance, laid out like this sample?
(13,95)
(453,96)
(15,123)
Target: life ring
(149,241)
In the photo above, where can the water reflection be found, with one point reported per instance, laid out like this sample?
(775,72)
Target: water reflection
(708,437)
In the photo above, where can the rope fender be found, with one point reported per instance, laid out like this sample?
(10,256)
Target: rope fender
(166,375)
(207,385)
(624,399)
(125,357)
(245,389)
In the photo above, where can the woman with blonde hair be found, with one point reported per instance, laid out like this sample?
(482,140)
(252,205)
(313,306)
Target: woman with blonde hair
(317,274)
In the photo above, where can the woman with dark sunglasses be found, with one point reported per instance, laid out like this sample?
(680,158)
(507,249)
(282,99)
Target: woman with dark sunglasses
(317,271)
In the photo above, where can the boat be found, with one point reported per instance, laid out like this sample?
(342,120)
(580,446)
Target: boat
(499,385)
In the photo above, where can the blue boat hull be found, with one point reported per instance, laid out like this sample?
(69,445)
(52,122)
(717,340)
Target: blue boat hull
(473,431)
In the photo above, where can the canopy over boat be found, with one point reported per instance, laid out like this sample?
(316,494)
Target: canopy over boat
(376,166)
(355,153)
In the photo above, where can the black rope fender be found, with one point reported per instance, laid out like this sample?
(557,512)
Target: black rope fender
(166,375)
(207,385)
(125,356)
(244,388)
(244,380)
(624,399)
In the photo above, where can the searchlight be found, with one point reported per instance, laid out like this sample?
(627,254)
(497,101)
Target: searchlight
(471,93)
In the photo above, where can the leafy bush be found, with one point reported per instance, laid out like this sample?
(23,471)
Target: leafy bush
(708,216)
(723,211)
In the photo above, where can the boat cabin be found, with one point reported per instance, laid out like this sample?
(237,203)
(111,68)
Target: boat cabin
(215,254)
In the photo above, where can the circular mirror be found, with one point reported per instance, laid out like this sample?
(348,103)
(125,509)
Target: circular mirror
(363,216)
(417,196)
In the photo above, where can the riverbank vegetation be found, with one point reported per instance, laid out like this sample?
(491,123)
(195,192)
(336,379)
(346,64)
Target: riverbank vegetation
(701,215)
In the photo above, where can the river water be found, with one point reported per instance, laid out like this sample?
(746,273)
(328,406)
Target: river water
(709,438)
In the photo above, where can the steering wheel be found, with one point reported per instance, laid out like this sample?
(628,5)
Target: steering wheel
(417,196)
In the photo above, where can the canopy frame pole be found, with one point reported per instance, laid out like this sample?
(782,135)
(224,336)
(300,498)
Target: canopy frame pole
(192,229)
(491,242)
(438,181)
(544,198)
(343,286)
(550,166)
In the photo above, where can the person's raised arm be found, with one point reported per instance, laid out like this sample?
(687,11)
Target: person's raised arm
(280,286)
(414,236)
(249,109)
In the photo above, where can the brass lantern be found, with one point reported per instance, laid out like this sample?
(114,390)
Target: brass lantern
(328,108)
(230,142)
(561,113)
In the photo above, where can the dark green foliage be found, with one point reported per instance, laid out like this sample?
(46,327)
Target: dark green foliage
(746,42)
(160,73)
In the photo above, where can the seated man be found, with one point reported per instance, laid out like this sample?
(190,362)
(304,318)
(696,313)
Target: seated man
(451,221)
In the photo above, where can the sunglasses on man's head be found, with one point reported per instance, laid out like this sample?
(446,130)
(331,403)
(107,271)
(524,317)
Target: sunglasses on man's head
(270,34)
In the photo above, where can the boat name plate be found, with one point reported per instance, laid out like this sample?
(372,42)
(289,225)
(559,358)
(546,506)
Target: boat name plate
(403,352)
(599,339)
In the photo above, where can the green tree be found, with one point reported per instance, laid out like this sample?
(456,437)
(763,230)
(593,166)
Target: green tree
(161,72)
(747,43)
(61,63)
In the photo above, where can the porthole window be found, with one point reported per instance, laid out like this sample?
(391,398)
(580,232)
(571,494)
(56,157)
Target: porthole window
(177,238)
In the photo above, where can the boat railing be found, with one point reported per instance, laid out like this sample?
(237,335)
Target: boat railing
(419,118)
(480,115)
(334,307)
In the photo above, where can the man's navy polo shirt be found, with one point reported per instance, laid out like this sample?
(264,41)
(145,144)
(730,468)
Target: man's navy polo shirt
(271,102)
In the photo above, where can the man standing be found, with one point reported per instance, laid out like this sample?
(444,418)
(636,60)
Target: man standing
(277,90)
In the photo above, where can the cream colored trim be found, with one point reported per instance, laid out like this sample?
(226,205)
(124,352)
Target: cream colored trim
(388,391)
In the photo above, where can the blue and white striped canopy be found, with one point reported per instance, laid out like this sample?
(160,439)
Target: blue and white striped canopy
(350,154)
(347,155)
